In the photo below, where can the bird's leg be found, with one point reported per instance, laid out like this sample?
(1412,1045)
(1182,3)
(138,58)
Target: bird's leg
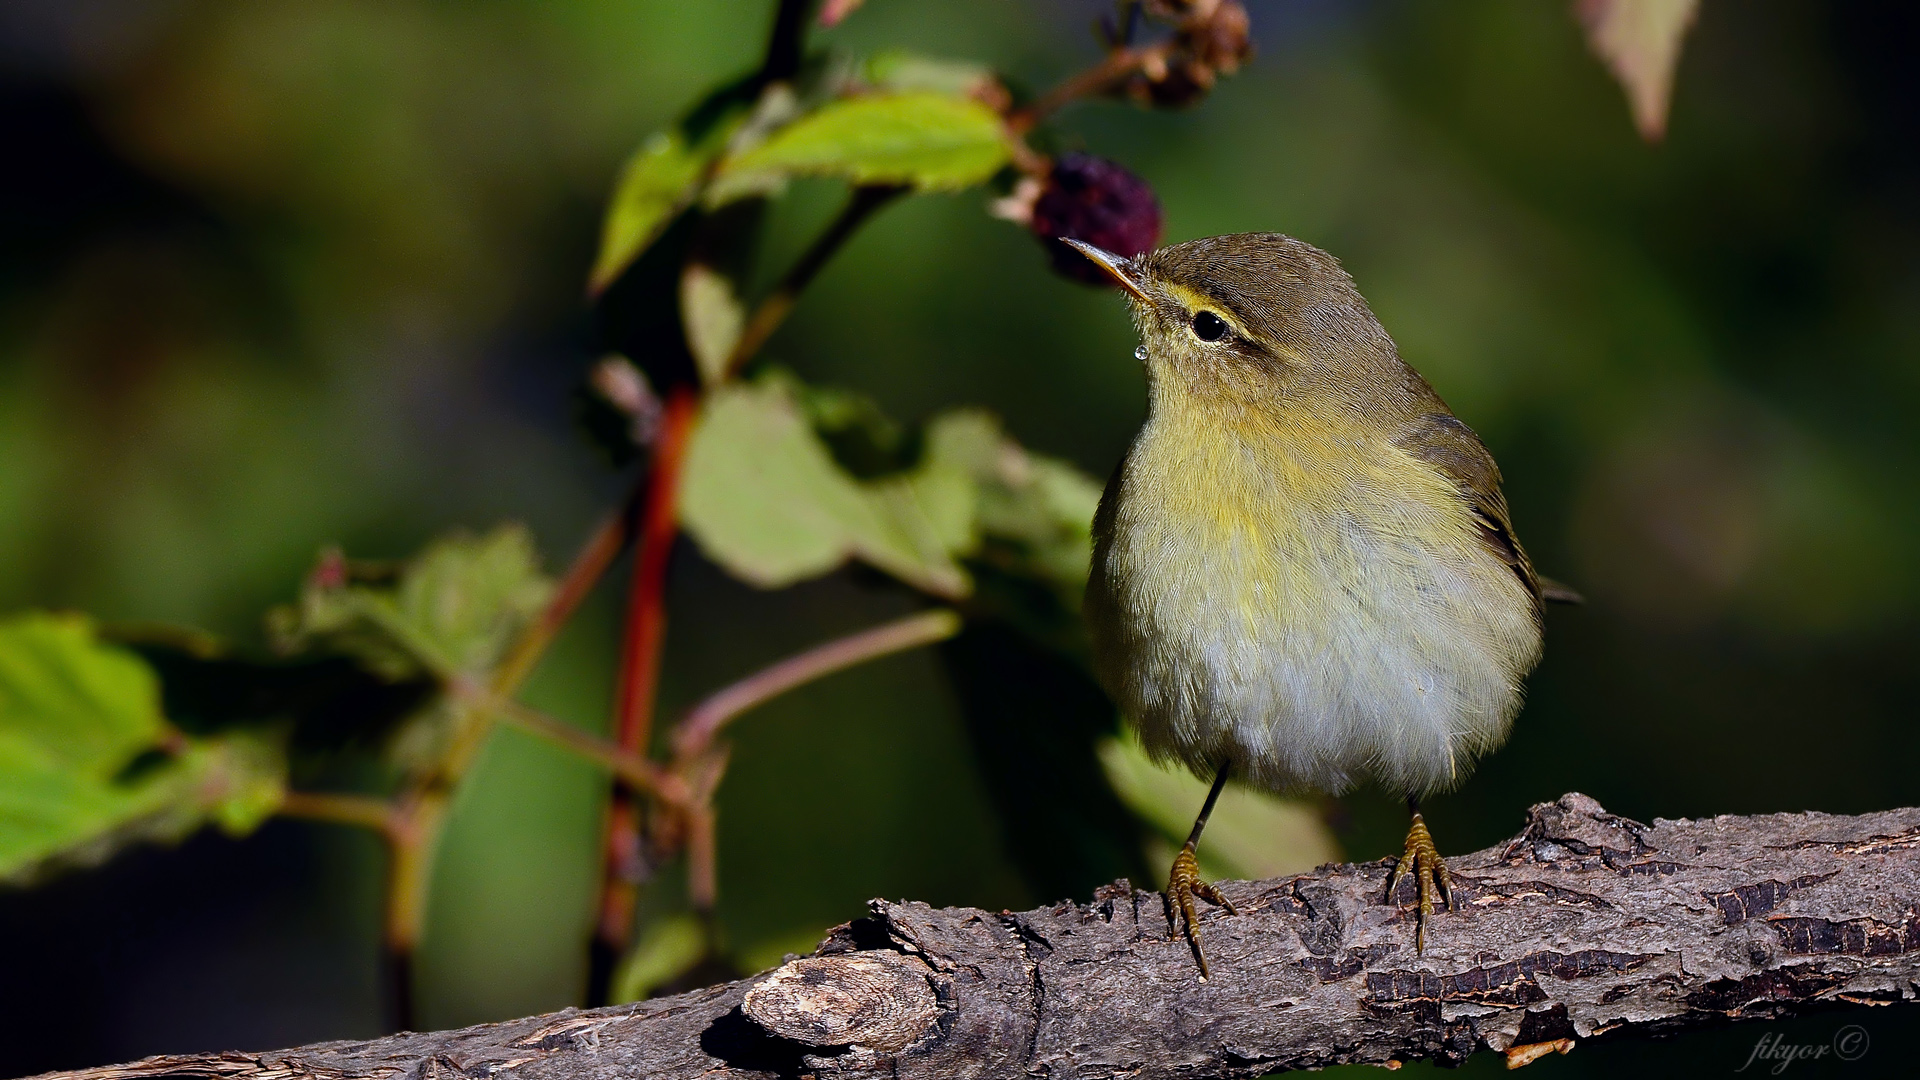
(1184,883)
(1421,860)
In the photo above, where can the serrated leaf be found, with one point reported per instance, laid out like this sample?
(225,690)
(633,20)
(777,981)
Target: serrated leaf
(1251,835)
(764,498)
(760,493)
(1639,41)
(88,765)
(451,612)
(929,141)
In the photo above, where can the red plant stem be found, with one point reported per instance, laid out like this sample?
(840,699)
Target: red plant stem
(620,880)
(640,662)
(646,595)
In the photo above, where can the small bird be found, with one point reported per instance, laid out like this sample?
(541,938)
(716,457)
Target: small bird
(1303,569)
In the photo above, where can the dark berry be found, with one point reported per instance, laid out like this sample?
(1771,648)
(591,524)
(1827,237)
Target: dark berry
(1098,202)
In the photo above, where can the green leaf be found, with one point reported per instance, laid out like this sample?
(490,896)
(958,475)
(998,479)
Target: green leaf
(714,315)
(764,498)
(661,179)
(450,612)
(87,707)
(1034,514)
(1251,835)
(657,182)
(897,71)
(786,482)
(928,140)
(88,765)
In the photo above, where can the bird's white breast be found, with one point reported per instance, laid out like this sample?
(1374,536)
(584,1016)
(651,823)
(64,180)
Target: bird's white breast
(1311,613)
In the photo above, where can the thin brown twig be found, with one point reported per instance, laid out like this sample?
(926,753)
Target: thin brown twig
(419,815)
(598,553)
(778,304)
(703,876)
(695,733)
(703,774)
(363,811)
(1102,78)
(637,770)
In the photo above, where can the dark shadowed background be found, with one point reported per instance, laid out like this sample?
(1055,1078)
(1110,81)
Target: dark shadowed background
(282,275)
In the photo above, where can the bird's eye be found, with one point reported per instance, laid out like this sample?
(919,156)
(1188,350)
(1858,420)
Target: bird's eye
(1209,327)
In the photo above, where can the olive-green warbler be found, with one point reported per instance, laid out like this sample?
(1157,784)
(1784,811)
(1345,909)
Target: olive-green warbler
(1303,570)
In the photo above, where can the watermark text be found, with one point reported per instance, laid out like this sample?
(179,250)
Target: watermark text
(1775,1055)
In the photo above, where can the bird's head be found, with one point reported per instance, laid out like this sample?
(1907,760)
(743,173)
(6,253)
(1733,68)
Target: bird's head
(1254,318)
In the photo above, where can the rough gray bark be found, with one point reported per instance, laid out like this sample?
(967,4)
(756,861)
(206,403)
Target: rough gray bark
(1583,924)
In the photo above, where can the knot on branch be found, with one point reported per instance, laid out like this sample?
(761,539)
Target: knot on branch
(1577,825)
(876,1000)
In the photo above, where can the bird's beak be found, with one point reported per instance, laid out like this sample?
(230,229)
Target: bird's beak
(1120,269)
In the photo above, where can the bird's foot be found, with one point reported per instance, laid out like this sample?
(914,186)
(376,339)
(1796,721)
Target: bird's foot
(1422,862)
(1182,886)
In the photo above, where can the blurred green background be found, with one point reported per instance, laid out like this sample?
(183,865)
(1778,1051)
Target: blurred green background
(281,275)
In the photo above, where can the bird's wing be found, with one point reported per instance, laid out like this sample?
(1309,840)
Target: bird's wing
(1441,440)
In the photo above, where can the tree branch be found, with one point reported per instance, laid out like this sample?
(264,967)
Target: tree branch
(1583,925)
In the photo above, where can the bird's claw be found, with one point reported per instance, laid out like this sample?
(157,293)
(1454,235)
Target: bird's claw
(1422,862)
(1182,886)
